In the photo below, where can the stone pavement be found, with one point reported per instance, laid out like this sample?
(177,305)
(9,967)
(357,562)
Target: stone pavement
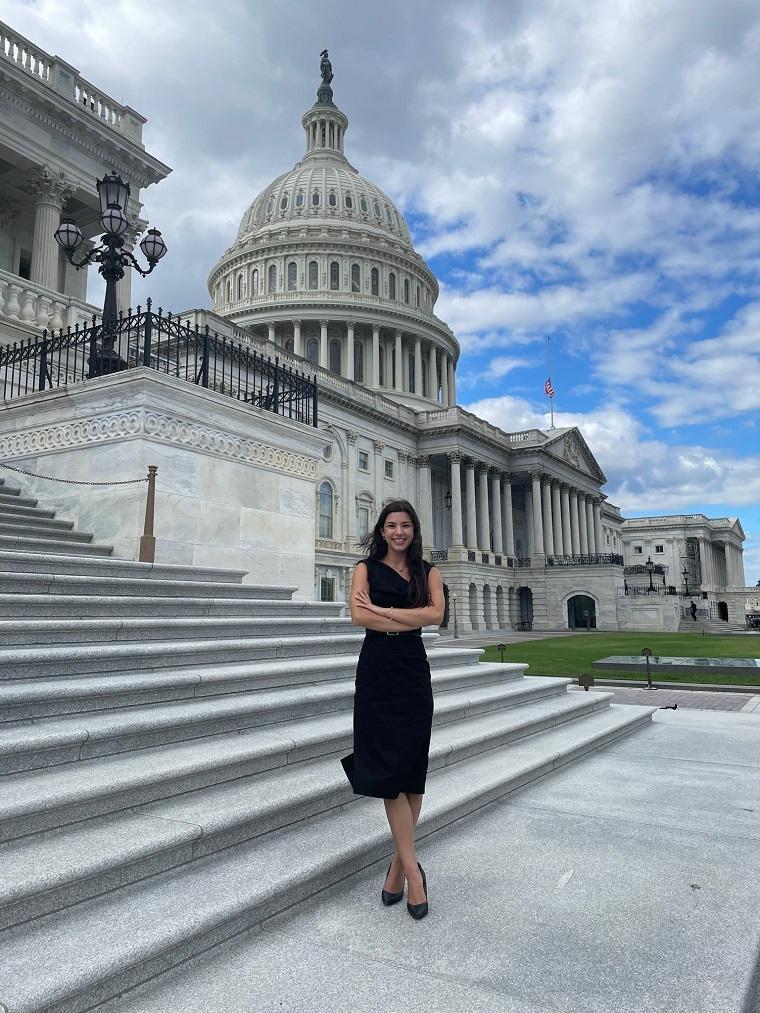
(686,699)
(629,883)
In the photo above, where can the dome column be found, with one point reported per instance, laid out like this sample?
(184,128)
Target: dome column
(398,372)
(375,355)
(452,383)
(445,378)
(270,331)
(323,356)
(297,338)
(418,365)
(350,350)
(432,373)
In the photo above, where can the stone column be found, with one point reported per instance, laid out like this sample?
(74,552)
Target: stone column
(509,525)
(418,365)
(324,357)
(51,190)
(600,546)
(457,536)
(484,527)
(270,331)
(548,519)
(426,501)
(531,546)
(557,521)
(469,489)
(375,355)
(124,285)
(538,526)
(432,373)
(498,544)
(452,383)
(575,532)
(567,542)
(592,549)
(398,373)
(582,523)
(445,379)
(297,338)
(350,350)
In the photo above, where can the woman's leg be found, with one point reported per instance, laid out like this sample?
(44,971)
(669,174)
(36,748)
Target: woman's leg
(401,820)
(394,881)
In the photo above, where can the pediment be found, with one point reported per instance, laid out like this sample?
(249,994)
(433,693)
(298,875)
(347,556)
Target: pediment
(568,445)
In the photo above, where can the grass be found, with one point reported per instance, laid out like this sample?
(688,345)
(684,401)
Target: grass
(572,655)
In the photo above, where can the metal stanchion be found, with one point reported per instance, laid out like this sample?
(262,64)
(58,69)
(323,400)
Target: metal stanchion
(647,655)
(147,541)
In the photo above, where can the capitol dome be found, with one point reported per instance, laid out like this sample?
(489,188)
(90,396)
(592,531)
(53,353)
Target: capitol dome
(323,266)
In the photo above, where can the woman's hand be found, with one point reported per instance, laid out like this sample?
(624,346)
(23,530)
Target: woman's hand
(363,600)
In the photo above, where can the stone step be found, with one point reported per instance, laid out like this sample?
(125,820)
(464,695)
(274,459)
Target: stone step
(26,699)
(47,545)
(36,800)
(80,659)
(37,875)
(59,531)
(108,630)
(87,606)
(102,947)
(55,741)
(9,508)
(55,569)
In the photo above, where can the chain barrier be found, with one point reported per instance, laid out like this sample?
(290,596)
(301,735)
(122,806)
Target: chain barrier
(71,481)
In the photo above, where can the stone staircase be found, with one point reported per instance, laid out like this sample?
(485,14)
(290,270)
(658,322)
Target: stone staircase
(169,746)
(701,625)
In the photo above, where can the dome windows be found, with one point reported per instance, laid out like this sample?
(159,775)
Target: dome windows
(292,276)
(270,205)
(299,199)
(336,356)
(272,278)
(332,200)
(284,202)
(254,281)
(389,216)
(312,351)
(376,209)
(417,297)
(356,278)
(335,275)
(359,362)
(406,290)
(391,285)
(313,274)
(363,204)
(315,199)
(240,286)
(348,200)
(375,281)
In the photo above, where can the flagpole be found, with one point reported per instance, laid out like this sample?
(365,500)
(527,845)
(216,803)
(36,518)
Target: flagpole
(549,374)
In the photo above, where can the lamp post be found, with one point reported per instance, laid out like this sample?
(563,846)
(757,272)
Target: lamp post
(447,499)
(113,259)
(650,570)
(685,575)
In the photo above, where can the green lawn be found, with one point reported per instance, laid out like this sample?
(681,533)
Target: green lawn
(573,655)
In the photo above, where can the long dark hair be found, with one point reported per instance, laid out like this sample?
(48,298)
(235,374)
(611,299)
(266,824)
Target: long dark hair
(376,548)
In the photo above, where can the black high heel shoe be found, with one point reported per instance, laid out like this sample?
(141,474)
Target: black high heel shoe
(418,911)
(389,898)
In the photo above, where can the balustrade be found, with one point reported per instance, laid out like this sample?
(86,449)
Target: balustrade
(35,308)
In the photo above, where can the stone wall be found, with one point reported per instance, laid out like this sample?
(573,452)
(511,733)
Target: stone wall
(656,615)
(236,485)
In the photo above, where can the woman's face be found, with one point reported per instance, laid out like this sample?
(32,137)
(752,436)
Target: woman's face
(398,530)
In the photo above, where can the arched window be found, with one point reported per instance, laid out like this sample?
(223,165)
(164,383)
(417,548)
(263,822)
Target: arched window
(228,292)
(406,290)
(326,500)
(349,201)
(315,199)
(289,345)
(363,204)
(299,200)
(312,350)
(391,285)
(270,205)
(356,278)
(332,200)
(292,276)
(410,372)
(254,281)
(334,275)
(283,202)
(336,355)
(239,287)
(313,274)
(376,209)
(417,296)
(272,278)
(388,215)
(375,281)
(359,362)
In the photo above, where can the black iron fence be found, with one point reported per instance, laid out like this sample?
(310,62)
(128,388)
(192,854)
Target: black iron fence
(598,559)
(166,344)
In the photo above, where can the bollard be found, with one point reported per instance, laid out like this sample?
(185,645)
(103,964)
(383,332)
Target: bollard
(147,552)
(647,655)
(501,648)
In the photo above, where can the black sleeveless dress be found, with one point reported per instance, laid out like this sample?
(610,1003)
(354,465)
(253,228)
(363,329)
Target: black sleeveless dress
(393,702)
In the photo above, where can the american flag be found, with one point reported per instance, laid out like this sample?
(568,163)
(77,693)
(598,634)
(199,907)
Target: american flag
(548,389)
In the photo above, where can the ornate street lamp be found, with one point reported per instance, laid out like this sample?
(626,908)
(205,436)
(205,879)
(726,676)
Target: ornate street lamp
(113,259)
(650,570)
(447,499)
(685,575)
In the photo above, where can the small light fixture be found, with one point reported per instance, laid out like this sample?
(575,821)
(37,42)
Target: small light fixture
(68,235)
(112,190)
(153,246)
(114,221)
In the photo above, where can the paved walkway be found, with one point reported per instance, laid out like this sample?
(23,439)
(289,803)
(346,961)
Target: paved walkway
(685,699)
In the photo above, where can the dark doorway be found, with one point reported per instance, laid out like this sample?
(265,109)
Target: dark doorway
(581,612)
(525,599)
(723,611)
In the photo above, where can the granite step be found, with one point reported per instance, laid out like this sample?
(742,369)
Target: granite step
(31,801)
(29,543)
(49,742)
(59,531)
(27,699)
(57,567)
(37,874)
(9,508)
(101,947)
(27,606)
(113,630)
(80,659)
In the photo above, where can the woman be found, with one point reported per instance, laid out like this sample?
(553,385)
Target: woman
(394,593)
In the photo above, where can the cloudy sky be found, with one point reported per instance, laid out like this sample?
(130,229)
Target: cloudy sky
(585,170)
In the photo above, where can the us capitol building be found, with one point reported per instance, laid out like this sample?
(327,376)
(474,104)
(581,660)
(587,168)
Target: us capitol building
(322,273)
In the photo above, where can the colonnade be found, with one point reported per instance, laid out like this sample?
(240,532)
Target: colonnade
(721,565)
(560,520)
(386,360)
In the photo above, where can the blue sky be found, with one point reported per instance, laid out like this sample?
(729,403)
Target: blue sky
(582,170)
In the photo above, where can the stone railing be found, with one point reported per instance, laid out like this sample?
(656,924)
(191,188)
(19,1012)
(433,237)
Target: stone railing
(66,80)
(674,520)
(33,308)
(456,415)
(439,555)
(596,559)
